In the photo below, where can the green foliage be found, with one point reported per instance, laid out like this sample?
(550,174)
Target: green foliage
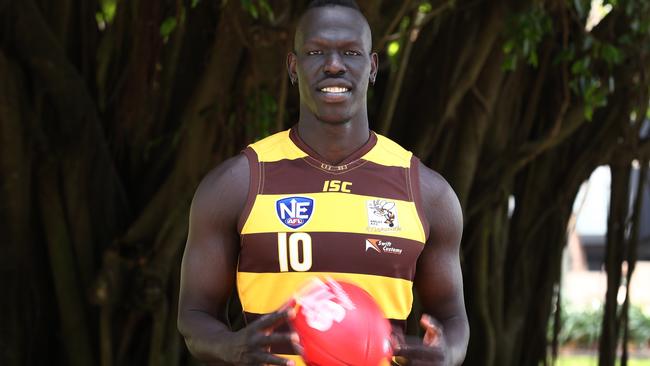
(524,33)
(393,48)
(106,13)
(581,327)
(583,83)
(262,108)
(639,325)
(168,26)
(258,7)
(571,360)
(593,60)
(425,7)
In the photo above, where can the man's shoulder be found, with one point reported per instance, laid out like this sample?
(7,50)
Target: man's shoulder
(437,194)
(275,147)
(389,152)
(226,184)
(432,182)
(234,168)
(392,147)
(271,141)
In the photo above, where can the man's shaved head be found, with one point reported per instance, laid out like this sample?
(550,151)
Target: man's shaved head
(320,3)
(316,4)
(333,62)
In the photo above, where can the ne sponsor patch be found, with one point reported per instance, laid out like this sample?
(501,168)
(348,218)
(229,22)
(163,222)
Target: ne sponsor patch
(294,212)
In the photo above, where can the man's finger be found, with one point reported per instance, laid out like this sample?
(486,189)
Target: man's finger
(278,338)
(418,352)
(433,331)
(271,320)
(270,359)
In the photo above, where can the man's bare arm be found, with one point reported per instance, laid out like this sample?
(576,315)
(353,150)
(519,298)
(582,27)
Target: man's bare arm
(208,274)
(438,277)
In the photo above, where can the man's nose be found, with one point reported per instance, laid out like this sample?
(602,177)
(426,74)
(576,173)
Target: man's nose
(334,64)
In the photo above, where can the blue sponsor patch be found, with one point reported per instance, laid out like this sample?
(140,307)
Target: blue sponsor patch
(294,212)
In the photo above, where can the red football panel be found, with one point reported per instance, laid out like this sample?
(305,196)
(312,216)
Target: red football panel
(347,340)
(314,355)
(378,334)
(357,340)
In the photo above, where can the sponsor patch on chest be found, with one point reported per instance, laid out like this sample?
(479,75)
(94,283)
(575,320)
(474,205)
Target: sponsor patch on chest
(382,216)
(294,212)
(381,246)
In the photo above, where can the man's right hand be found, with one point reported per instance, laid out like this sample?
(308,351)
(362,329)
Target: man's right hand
(252,344)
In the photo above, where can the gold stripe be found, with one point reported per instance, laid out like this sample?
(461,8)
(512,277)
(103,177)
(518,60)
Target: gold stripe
(388,153)
(299,361)
(393,295)
(335,212)
(277,147)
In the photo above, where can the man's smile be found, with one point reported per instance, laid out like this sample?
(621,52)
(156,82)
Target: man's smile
(334,89)
(335,94)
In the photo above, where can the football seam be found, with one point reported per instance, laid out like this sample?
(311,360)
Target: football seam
(365,358)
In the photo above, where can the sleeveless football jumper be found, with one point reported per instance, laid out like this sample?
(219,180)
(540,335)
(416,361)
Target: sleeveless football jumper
(360,221)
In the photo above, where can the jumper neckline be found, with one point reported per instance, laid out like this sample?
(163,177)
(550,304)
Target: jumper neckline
(351,160)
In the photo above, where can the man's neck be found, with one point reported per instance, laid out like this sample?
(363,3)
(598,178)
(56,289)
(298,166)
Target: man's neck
(334,142)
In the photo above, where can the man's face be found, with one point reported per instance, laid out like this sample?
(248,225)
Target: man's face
(333,63)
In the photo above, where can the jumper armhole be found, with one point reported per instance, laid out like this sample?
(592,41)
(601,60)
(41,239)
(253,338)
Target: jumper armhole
(254,186)
(414,173)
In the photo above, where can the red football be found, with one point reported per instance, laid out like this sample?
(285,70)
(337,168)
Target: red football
(340,324)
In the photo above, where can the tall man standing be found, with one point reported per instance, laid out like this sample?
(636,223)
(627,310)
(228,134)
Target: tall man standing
(328,197)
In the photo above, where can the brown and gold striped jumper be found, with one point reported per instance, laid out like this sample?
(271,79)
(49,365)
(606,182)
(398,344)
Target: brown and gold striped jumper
(359,221)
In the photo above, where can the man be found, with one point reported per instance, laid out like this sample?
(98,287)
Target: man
(329,197)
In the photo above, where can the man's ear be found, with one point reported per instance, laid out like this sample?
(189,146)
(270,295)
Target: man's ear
(374,67)
(291,67)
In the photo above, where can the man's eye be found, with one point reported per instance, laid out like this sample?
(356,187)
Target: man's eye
(352,53)
(312,53)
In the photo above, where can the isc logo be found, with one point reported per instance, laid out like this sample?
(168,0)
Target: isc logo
(294,212)
(336,186)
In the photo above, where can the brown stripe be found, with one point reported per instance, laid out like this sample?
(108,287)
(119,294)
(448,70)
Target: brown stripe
(399,327)
(417,194)
(368,179)
(259,254)
(253,186)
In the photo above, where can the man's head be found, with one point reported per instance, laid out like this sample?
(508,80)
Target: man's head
(333,60)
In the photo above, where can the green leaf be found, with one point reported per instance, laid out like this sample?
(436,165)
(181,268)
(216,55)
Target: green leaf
(509,46)
(581,66)
(425,7)
(509,63)
(250,8)
(611,54)
(264,5)
(393,48)
(533,59)
(524,34)
(195,3)
(589,113)
(109,8)
(167,27)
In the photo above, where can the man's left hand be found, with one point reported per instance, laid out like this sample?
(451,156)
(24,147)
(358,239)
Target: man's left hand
(431,350)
